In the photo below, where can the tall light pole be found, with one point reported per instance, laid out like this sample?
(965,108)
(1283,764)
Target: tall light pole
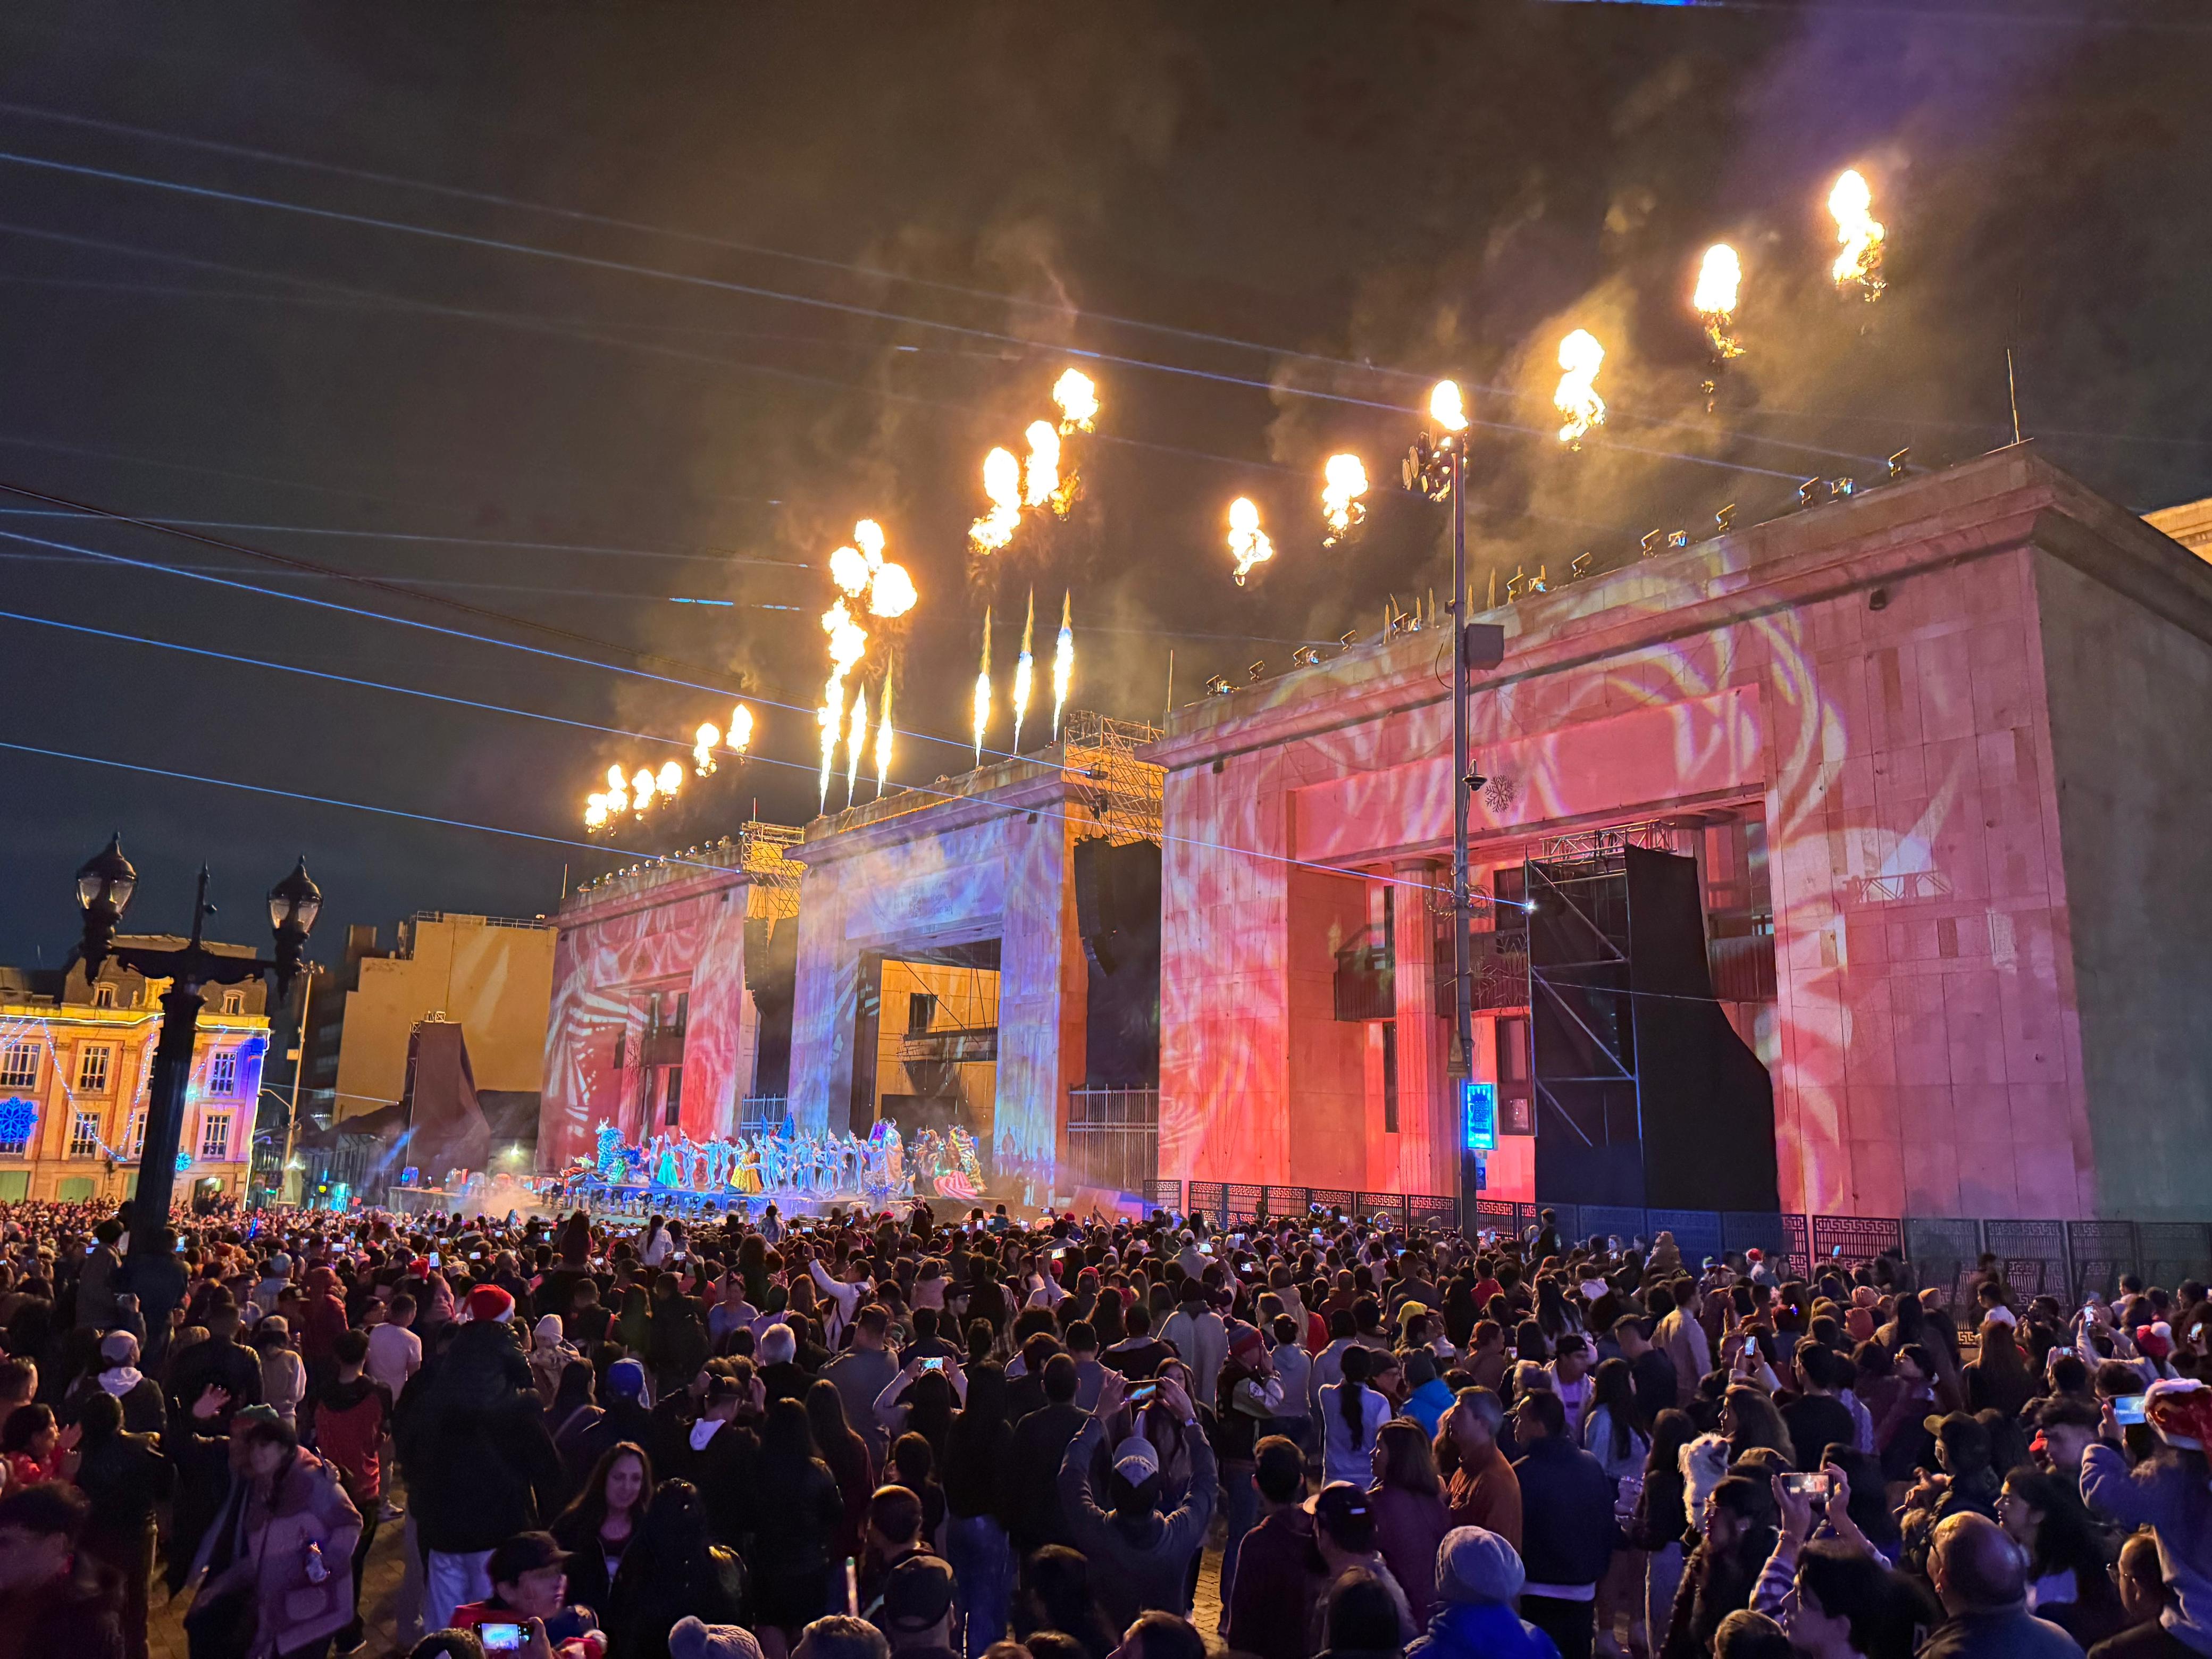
(1436,468)
(104,886)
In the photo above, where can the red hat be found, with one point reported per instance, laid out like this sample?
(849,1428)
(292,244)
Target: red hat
(2152,1342)
(489,1302)
(2179,1410)
(1246,1344)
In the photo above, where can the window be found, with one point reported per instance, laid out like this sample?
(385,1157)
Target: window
(103,995)
(19,1065)
(233,1002)
(621,1049)
(920,1012)
(683,1013)
(222,1074)
(92,1067)
(84,1134)
(674,1109)
(215,1138)
(134,1142)
(1389,1076)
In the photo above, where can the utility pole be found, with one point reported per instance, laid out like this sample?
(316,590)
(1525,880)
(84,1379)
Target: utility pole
(1462,1061)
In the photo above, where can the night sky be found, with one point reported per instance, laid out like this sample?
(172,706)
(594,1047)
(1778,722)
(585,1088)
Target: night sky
(708,284)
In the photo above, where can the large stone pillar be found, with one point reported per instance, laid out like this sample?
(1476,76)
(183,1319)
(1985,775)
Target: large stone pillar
(1428,1152)
(1043,997)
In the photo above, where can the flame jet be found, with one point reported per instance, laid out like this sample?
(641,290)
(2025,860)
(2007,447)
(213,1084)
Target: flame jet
(1248,545)
(1719,278)
(1858,231)
(883,735)
(1024,665)
(1063,659)
(1344,481)
(856,739)
(983,689)
(1576,399)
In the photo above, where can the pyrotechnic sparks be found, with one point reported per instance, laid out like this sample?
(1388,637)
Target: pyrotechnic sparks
(1025,667)
(1576,399)
(856,740)
(1446,407)
(741,728)
(1718,279)
(702,751)
(883,735)
(1063,659)
(1852,202)
(1002,484)
(832,717)
(1077,398)
(848,641)
(1344,481)
(1246,541)
(983,689)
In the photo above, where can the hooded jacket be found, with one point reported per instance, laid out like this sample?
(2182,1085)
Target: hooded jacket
(1480,1630)
(1144,1566)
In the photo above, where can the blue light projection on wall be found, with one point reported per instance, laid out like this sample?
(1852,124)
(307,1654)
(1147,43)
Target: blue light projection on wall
(19,1120)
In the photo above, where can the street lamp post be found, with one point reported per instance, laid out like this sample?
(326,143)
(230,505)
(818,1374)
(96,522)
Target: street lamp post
(104,887)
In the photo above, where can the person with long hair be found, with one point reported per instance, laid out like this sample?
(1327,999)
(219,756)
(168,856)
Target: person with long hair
(571,1417)
(1999,1379)
(1749,1418)
(2069,1581)
(1614,1429)
(1659,1526)
(599,1525)
(1738,1536)
(633,1326)
(978,1452)
(1056,1596)
(1410,1518)
(913,1464)
(1352,1415)
(798,1513)
(847,1455)
(671,1569)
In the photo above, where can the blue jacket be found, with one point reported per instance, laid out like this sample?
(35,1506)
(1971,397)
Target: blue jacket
(1427,1405)
(1567,1530)
(1480,1630)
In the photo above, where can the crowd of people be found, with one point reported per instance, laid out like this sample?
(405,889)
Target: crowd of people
(989,1437)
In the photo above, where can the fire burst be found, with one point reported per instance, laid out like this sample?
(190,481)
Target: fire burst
(1063,659)
(1247,542)
(1576,399)
(856,739)
(1446,408)
(983,689)
(741,728)
(848,641)
(883,735)
(702,751)
(1041,484)
(1852,202)
(863,570)
(1718,279)
(1077,398)
(1002,484)
(1025,666)
(1344,481)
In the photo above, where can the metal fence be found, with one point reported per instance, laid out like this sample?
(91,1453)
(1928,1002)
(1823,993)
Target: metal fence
(2038,1258)
(1113,1137)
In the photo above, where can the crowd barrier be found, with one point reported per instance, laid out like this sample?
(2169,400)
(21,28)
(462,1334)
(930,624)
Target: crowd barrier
(2064,1259)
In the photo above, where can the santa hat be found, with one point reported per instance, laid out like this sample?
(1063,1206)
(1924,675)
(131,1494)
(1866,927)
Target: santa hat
(2181,1411)
(2154,1341)
(489,1302)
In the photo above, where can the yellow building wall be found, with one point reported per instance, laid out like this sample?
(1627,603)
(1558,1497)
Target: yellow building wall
(48,1169)
(493,979)
(966,997)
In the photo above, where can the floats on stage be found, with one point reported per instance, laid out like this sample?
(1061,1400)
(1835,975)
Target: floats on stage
(672,1173)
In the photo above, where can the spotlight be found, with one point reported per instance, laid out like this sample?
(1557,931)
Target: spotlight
(1843,487)
(1652,538)
(1680,538)
(1218,687)
(1809,491)
(1897,463)
(1252,671)
(1349,638)
(1307,656)
(1725,520)
(1529,906)
(1579,566)
(1515,587)
(1474,780)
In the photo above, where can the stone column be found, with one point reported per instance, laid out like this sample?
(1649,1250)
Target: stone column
(1427,1147)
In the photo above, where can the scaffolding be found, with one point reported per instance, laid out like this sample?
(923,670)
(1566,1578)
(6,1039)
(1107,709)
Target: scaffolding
(1099,755)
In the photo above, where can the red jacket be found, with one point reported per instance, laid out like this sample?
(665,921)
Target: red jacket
(349,1424)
